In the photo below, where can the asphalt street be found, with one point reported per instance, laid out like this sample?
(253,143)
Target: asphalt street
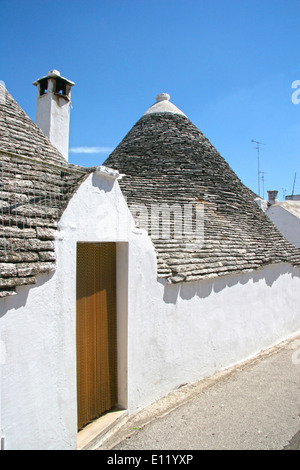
(252,406)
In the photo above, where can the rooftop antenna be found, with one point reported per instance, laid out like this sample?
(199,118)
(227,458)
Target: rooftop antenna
(294,184)
(258,172)
(283,192)
(263,183)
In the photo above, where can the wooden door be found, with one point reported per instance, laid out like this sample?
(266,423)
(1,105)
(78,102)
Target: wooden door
(96,330)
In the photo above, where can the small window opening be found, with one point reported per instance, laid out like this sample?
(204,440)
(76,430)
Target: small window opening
(43,87)
(60,87)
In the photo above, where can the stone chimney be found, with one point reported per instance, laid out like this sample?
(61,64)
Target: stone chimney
(53,109)
(273,197)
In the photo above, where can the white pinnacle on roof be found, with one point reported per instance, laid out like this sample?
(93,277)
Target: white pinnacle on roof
(163,105)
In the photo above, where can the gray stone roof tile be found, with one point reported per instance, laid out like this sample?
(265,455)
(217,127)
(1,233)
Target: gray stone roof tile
(36,184)
(20,135)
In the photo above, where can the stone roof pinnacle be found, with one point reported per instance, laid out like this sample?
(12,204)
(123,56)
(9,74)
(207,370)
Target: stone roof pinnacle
(164,105)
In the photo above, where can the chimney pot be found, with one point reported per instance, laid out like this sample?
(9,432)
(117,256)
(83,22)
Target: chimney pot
(53,109)
(273,197)
(54,73)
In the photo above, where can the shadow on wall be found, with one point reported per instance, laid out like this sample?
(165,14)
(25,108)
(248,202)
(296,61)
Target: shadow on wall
(204,288)
(19,299)
(106,184)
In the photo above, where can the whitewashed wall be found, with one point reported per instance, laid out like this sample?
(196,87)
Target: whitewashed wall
(38,326)
(167,334)
(53,117)
(188,331)
(286,222)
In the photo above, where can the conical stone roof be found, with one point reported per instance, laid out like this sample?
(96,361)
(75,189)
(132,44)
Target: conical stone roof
(20,135)
(36,184)
(167,160)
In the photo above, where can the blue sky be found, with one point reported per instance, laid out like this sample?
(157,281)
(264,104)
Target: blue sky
(228,65)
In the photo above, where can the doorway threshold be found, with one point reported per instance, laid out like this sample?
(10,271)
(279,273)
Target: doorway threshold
(96,432)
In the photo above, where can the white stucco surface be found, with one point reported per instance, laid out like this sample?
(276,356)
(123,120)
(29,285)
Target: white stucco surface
(194,330)
(167,334)
(38,327)
(286,216)
(53,117)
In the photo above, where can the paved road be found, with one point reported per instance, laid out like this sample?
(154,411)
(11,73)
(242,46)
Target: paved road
(254,406)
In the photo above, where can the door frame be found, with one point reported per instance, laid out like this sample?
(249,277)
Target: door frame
(122,255)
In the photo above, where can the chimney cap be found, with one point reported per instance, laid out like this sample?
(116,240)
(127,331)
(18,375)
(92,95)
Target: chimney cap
(52,74)
(273,196)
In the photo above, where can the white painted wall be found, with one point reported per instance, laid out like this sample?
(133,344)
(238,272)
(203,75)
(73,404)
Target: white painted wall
(192,330)
(38,326)
(167,334)
(286,222)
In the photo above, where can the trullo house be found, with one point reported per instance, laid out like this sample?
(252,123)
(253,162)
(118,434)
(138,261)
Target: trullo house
(121,282)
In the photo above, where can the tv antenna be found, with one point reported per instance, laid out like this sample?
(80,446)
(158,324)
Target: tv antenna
(258,171)
(294,184)
(263,183)
(283,192)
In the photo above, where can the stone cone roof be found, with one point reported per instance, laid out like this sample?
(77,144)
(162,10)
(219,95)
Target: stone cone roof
(167,160)
(36,184)
(20,135)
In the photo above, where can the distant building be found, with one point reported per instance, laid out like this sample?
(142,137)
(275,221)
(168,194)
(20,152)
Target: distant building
(295,197)
(286,216)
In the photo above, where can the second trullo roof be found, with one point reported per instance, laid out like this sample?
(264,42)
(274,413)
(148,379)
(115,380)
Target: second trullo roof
(167,160)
